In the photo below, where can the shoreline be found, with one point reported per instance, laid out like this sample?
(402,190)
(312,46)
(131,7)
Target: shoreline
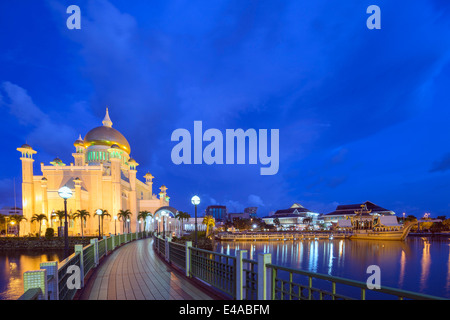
(23,244)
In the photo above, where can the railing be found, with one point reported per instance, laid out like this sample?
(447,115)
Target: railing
(251,279)
(290,288)
(54,280)
(276,236)
(64,292)
(177,254)
(216,269)
(241,278)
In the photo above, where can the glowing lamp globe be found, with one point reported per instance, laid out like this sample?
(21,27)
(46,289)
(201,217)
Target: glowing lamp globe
(195,200)
(65,192)
(99,212)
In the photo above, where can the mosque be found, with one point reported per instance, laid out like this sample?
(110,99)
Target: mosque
(102,176)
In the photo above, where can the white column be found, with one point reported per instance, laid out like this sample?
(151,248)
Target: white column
(240,278)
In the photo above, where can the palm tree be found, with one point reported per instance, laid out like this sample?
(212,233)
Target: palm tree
(18,219)
(209,222)
(144,215)
(39,218)
(123,216)
(82,214)
(104,214)
(3,220)
(181,215)
(61,215)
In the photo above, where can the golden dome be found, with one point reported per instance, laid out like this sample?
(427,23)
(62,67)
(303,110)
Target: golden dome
(106,136)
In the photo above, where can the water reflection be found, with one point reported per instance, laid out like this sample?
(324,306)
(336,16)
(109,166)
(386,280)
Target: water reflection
(12,266)
(418,265)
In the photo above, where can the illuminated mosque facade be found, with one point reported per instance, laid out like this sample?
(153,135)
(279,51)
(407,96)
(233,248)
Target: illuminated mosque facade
(102,176)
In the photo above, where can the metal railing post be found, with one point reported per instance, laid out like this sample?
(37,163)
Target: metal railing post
(95,243)
(52,286)
(106,245)
(79,248)
(264,286)
(240,278)
(188,258)
(167,251)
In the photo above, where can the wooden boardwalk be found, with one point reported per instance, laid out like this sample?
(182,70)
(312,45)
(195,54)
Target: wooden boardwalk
(134,272)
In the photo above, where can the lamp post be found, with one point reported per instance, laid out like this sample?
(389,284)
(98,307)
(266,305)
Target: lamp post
(99,213)
(140,225)
(65,193)
(157,225)
(128,225)
(195,201)
(115,225)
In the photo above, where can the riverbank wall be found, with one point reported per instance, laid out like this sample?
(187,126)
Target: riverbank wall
(30,243)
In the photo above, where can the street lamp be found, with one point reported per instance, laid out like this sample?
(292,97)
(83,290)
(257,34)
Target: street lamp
(195,201)
(99,213)
(140,225)
(65,193)
(128,225)
(115,225)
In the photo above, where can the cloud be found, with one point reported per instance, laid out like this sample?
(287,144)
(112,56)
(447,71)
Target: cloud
(47,134)
(255,201)
(441,165)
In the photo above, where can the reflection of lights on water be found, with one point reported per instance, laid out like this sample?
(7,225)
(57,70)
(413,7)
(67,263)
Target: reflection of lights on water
(425,264)
(402,268)
(330,260)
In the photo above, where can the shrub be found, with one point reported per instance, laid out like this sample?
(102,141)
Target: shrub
(49,233)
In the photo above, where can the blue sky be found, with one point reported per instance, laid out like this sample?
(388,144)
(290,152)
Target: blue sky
(363,114)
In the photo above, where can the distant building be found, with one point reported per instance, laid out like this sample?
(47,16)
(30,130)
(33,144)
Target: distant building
(219,213)
(349,210)
(251,211)
(8,211)
(296,217)
(237,215)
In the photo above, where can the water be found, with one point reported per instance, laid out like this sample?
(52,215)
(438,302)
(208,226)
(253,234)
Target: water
(14,263)
(417,264)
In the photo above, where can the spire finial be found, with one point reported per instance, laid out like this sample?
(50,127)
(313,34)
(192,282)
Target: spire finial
(107,121)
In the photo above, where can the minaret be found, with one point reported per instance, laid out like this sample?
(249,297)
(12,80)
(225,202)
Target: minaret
(149,181)
(162,195)
(132,195)
(27,184)
(116,194)
(80,154)
(45,199)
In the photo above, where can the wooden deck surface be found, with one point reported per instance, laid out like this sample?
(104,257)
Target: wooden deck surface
(134,272)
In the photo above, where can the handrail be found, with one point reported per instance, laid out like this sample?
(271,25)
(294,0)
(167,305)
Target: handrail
(86,259)
(246,277)
(354,283)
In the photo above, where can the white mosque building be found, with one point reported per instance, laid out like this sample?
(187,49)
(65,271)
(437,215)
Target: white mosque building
(102,176)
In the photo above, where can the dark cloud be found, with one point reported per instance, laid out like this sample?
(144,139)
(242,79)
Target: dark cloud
(441,165)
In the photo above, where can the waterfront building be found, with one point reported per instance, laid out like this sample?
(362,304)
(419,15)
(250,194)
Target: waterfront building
(219,213)
(296,217)
(251,211)
(347,211)
(237,215)
(102,176)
